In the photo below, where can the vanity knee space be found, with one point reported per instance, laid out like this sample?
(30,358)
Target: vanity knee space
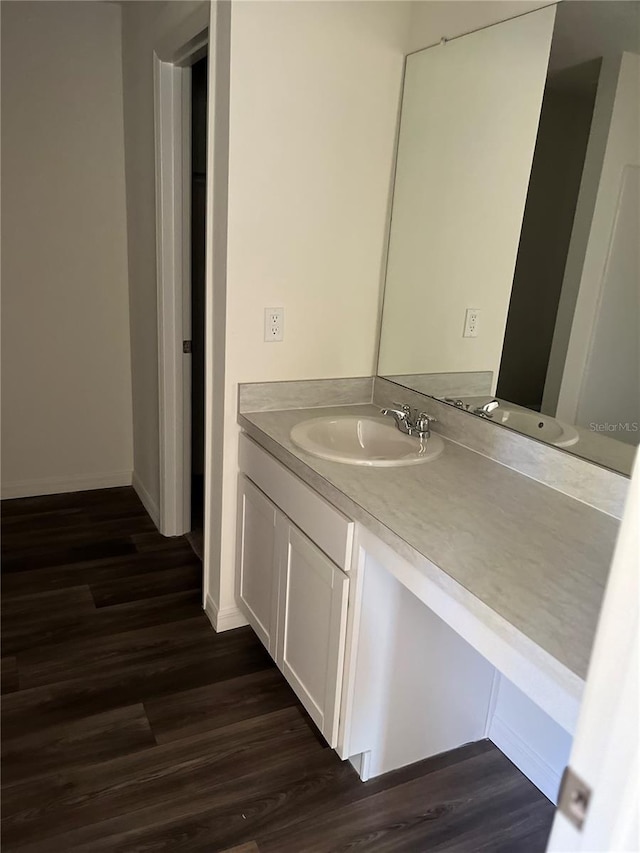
(416,688)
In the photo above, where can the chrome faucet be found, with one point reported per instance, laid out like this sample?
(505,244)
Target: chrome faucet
(411,421)
(487,409)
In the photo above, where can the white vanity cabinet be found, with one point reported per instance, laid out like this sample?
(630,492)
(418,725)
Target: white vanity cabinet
(312,627)
(291,580)
(257,569)
(390,666)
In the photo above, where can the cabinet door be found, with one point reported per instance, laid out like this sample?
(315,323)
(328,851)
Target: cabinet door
(312,628)
(256,562)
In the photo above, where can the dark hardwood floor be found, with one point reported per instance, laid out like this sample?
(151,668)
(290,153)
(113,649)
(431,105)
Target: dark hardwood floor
(129,725)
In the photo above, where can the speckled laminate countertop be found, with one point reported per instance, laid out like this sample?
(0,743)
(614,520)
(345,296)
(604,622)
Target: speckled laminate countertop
(535,557)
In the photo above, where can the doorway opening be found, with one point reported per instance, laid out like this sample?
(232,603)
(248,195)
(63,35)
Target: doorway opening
(199,73)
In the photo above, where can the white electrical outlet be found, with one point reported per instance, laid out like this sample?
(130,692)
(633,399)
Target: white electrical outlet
(471,319)
(274,324)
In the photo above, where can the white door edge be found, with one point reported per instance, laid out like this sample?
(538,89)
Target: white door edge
(606,746)
(172,109)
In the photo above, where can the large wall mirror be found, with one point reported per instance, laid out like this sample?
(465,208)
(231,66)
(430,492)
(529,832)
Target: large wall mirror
(513,274)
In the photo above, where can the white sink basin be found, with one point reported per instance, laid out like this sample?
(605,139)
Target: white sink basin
(363,441)
(536,425)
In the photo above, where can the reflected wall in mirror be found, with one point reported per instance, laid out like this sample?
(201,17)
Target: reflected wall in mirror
(513,269)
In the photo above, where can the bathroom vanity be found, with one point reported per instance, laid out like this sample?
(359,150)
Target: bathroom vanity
(414,609)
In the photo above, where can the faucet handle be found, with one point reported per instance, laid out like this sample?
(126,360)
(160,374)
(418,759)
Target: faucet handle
(424,421)
(423,424)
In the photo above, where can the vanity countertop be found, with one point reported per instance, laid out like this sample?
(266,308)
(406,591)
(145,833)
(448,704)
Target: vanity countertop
(535,558)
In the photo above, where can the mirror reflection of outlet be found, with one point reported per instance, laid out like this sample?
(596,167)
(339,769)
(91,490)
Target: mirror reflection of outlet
(471,323)
(273,324)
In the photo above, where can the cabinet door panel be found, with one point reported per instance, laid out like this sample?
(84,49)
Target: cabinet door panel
(257,574)
(313,608)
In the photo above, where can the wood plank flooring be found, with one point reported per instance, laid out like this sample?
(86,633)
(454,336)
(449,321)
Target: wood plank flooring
(129,725)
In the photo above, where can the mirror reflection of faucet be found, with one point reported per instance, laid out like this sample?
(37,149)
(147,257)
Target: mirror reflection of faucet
(411,421)
(487,409)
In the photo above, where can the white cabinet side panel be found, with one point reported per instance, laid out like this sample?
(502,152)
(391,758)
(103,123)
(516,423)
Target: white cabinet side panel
(536,744)
(419,688)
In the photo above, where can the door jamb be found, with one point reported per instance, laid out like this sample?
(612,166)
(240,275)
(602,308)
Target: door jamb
(172,110)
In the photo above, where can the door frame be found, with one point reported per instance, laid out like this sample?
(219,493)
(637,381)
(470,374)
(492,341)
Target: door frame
(172,63)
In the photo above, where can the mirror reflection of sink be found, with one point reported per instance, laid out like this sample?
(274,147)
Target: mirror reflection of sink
(535,425)
(363,441)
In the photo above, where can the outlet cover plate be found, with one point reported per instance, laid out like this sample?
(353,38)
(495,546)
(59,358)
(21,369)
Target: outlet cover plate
(273,325)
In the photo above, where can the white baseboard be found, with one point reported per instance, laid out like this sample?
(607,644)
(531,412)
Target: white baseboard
(60,485)
(532,765)
(225,618)
(361,764)
(147,501)
(493,701)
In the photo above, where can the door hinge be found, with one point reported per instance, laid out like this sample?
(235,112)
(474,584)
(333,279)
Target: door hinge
(186,346)
(573,799)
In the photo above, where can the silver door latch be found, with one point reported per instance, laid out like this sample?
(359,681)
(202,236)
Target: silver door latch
(573,800)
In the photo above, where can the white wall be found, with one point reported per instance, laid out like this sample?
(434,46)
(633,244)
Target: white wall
(580,233)
(315,91)
(145,28)
(611,381)
(65,327)
(432,20)
(469,124)
(607,30)
(600,378)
